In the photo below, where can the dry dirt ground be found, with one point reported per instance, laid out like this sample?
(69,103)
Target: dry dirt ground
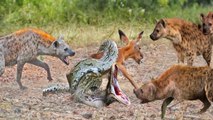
(30,104)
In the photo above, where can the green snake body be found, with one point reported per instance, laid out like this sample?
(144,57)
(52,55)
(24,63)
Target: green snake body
(86,77)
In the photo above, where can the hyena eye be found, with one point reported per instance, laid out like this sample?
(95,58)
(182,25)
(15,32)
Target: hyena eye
(157,30)
(65,49)
(210,24)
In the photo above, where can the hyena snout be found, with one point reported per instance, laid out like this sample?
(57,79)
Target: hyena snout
(69,51)
(205,29)
(137,92)
(153,36)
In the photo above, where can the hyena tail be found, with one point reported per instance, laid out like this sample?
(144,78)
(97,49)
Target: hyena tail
(57,88)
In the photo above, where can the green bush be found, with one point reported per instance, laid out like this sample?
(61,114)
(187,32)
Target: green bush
(45,13)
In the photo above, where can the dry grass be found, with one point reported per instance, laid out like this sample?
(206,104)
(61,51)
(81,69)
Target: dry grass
(81,36)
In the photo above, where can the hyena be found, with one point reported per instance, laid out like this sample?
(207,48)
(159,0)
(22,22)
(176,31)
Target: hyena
(207,23)
(23,46)
(188,40)
(181,83)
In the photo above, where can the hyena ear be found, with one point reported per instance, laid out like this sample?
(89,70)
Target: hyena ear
(139,36)
(202,16)
(61,37)
(123,36)
(163,23)
(56,44)
(156,20)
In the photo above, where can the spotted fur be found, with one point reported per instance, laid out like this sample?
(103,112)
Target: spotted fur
(46,38)
(186,37)
(23,46)
(181,83)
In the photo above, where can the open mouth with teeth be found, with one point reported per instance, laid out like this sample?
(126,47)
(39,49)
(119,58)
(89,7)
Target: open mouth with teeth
(116,91)
(65,60)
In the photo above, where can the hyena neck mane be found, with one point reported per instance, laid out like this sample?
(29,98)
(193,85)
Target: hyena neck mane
(180,30)
(41,38)
(174,34)
(43,50)
(175,38)
(44,38)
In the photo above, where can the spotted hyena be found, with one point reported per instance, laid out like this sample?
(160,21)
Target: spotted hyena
(207,23)
(25,45)
(188,40)
(181,83)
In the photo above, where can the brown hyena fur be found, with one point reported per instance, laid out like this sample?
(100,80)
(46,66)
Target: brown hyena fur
(209,86)
(181,83)
(25,45)
(188,40)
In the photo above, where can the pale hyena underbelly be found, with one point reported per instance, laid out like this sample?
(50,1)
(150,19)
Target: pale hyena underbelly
(86,77)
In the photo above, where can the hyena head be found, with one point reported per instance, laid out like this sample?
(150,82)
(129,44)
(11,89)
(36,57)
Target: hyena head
(160,30)
(146,93)
(62,50)
(207,23)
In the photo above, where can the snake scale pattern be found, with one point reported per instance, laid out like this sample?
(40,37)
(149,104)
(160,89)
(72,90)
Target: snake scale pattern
(86,77)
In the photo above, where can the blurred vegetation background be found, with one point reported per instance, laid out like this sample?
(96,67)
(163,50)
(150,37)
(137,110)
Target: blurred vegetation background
(74,17)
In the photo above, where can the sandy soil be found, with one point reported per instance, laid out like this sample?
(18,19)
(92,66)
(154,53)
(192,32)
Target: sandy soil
(30,104)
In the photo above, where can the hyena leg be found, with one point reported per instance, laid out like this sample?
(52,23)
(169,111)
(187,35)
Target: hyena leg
(19,74)
(166,102)
(190,59)
(209,87)
(180,58)
(2,63)
(206,104)
(44,65)
(207,57)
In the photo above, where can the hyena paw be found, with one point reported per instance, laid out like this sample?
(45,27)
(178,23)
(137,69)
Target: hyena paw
(23,88)
(50,78)
(200,112)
